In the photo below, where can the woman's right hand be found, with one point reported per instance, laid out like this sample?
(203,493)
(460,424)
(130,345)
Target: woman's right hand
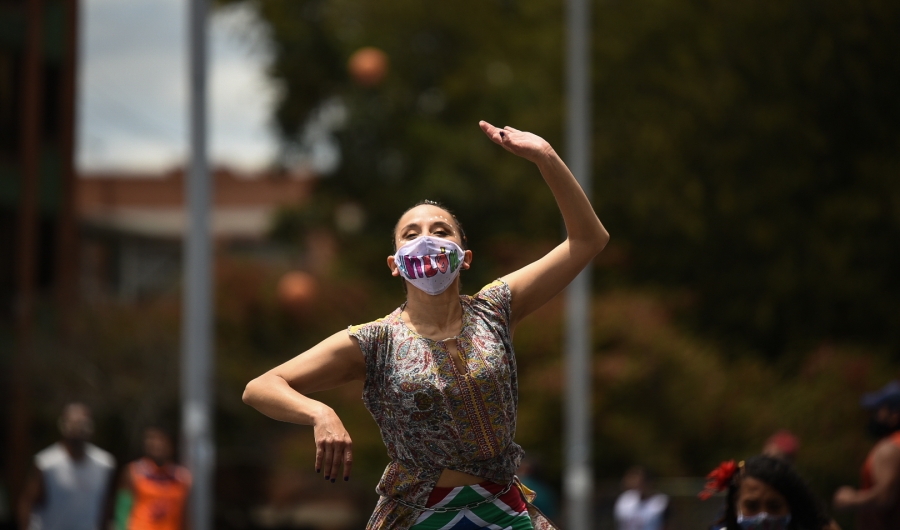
(281,392)
(333,445)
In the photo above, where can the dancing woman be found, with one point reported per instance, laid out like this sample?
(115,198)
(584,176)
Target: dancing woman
(439,372)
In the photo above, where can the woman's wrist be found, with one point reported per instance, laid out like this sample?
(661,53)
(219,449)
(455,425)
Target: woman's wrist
(547,158)
(320,413)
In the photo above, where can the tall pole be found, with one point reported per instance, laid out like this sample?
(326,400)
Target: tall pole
(66,246)
(578,479)
(26,246)
(196,332)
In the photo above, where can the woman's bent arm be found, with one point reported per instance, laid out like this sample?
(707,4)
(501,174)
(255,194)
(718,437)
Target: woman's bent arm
(281,392)
(535,284)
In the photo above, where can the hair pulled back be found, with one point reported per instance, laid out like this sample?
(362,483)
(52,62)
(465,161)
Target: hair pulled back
(459,227)
(807,512)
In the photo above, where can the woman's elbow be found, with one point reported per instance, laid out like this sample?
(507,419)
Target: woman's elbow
(599,240)
(251,392)
(589,245)
(602,239)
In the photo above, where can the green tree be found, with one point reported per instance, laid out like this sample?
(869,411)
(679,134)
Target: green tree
(750,152)
(745,153)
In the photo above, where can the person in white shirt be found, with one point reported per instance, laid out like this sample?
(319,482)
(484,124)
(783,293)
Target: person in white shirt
(639,507)
(69,485)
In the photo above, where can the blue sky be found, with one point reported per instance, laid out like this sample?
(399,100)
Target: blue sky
(132,87)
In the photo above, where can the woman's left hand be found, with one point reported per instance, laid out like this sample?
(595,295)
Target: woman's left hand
(536,283)
(529,146)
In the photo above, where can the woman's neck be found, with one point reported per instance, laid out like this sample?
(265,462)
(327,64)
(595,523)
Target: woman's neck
(436,317)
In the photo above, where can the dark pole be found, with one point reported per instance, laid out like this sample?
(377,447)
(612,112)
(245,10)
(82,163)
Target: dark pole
(26,251)
(196,332)
(66,249)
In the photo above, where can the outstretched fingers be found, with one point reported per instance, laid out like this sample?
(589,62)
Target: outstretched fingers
(327,459)
(332,453)
(348,461)
(337,459)
(520,143)
(497,135)
(320,455)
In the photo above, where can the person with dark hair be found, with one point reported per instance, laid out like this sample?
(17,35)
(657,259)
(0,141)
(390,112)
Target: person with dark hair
(640,506)
(877,502)
(765,493)
(70,484)
(153,489)
(439,372)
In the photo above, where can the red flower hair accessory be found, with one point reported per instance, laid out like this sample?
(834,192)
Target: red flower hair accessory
(719,479)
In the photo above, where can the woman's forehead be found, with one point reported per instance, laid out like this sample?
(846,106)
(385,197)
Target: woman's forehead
(755,488)
(425,213)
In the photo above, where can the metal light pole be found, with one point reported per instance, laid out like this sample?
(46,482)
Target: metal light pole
(26,252)
(578,479)
(196,332)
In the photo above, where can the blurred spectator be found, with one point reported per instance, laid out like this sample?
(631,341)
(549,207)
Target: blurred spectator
(69,484)
(639,507)
(783,444)
(877,502)
(765,492)
(530,474)
(153,490)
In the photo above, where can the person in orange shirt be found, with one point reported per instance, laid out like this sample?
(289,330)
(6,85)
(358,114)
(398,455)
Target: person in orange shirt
(877,502)
(153,490)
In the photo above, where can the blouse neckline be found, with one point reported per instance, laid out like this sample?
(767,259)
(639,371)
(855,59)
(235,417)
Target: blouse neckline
(463,301)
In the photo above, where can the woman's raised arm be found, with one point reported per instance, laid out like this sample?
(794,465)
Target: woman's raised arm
(281,393)
(535,284)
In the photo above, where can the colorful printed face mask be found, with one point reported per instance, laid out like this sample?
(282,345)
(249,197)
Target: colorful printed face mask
(763,521)
(429,263)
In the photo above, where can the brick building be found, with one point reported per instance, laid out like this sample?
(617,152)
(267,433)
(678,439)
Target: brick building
(132,225)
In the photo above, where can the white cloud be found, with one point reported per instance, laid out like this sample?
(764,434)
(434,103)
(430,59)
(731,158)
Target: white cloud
(133,87)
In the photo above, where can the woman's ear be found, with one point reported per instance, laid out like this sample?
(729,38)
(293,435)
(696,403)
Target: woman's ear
(392,264)
(467,260)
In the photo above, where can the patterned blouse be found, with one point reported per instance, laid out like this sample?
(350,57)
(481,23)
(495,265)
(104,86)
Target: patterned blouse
(430,414)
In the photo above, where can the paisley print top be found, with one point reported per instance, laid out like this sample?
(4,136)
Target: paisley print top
(433,416)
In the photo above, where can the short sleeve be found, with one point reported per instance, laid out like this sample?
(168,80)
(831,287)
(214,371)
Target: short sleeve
(373,341)
(497,297)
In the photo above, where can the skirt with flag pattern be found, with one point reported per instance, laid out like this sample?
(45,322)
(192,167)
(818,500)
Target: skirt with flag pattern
(507,512)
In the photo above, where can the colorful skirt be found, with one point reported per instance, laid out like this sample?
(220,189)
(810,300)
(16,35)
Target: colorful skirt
(506,512)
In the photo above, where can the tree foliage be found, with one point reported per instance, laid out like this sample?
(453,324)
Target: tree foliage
(750,152)
(745,153)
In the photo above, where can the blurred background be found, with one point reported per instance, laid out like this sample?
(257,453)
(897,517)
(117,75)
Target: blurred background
(746,162)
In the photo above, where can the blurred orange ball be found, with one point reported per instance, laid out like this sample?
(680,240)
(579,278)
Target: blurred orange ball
(368,66)
(297,290)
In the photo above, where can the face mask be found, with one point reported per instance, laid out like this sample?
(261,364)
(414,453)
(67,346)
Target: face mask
(429,263)
(763,521)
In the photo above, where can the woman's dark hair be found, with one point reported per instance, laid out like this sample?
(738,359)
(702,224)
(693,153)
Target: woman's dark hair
(807,511)
(462,233)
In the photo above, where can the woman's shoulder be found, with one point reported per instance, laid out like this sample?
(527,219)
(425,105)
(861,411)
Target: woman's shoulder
(497,284)
(382,324)
(495,294)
